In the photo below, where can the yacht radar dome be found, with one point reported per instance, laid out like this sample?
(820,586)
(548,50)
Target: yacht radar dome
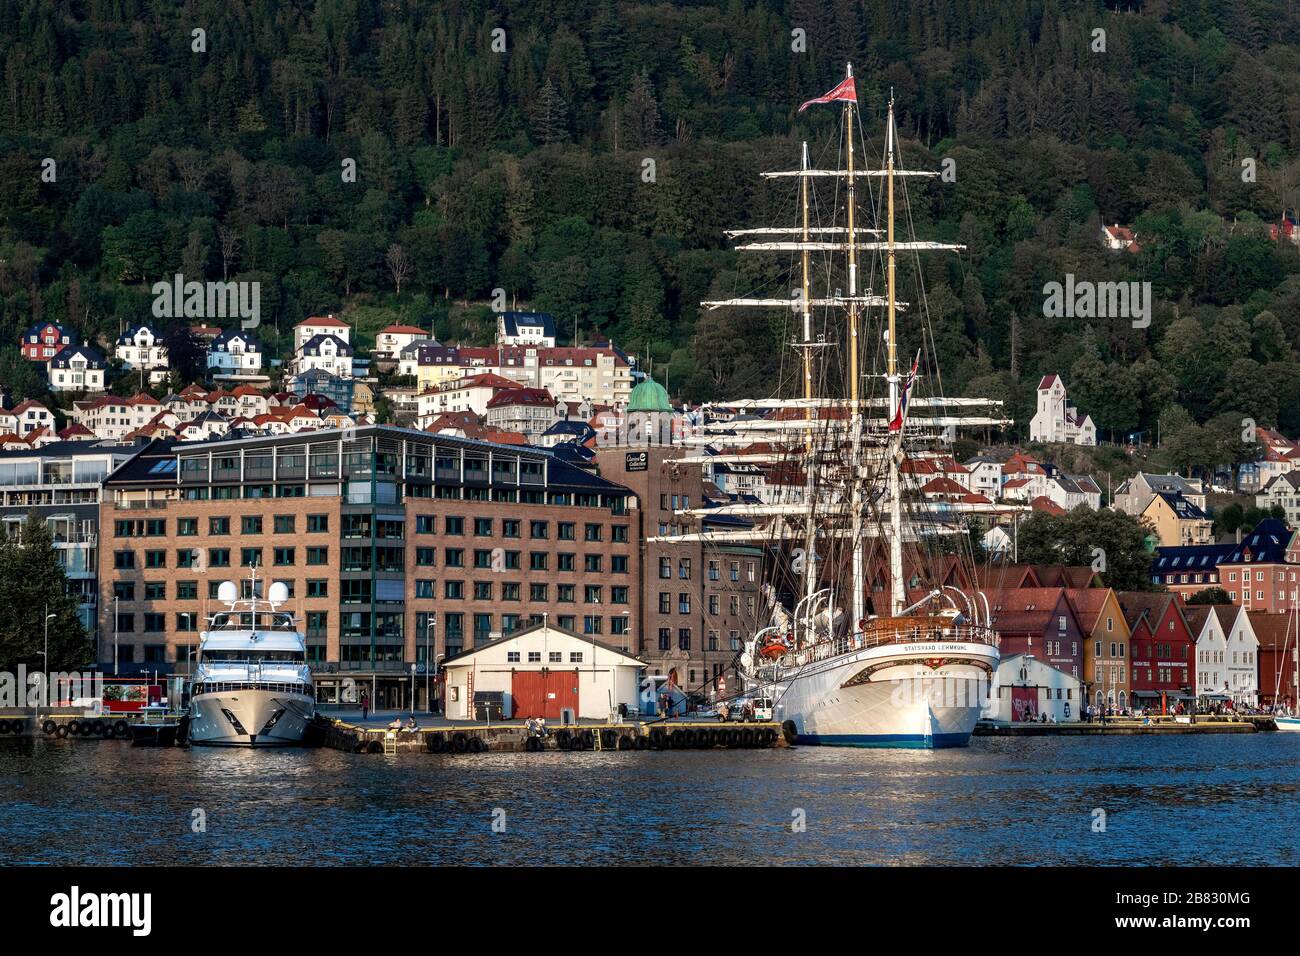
(227,593)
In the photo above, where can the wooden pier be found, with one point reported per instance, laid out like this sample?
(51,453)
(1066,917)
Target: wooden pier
(515,738)
(1130,727)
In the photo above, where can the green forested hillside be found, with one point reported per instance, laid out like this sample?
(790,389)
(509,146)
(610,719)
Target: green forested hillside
(523,170)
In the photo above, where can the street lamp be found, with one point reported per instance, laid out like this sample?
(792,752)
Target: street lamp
(45,657)
(428,640)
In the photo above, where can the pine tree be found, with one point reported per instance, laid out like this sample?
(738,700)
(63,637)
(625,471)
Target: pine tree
(550,115)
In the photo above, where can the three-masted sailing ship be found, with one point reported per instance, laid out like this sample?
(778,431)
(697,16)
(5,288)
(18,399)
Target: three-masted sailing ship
(870,654)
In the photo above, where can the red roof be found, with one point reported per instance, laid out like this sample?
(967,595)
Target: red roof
(25,405)
(1043,503)
(945,486)
(403,330)
(1046,382)
(483,380)
(520,396)
(326,320)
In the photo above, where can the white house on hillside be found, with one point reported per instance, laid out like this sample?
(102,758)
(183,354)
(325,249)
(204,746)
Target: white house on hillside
(1058,421)
(140,347)
(308,329)
(77,368)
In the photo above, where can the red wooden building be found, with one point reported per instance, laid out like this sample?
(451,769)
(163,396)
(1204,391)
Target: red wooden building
(1162,650)
(1277,657)
(43,341)
(1041,622)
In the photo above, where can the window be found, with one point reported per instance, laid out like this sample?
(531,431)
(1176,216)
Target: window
(665,638)
(684,568)
(591,624)
(684,639)
(454,590)
(510,528)
(318,555)
(483,527)
(591,594)
(318,524)
(284,524)
(123,560)
(575,657)
(555,657)
(318,587)
(187,590)
(218,557)
(592,564)
(512,657)
(565,562)
(250,557)
(618,533)
(425,524)
(123,591)
(592,532)
(187,527)
(284,556)
(251,524)
(453,524)
(684,602)
(482,590)
(665,567)
(155,591)
(454,557)
(537,592)
(618,564)
(155,559)
(153,622)
(566,532)
(565,593)
(537,529)
(218,526)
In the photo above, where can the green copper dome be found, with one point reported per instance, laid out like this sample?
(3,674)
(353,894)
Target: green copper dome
(649,396)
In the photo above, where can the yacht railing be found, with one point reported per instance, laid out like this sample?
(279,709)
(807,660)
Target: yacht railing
(952,634)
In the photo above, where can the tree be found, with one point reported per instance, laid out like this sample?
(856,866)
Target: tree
(550,115)
(399,265)
(187,354)
(31,580)
(1112,541)
(1214,595)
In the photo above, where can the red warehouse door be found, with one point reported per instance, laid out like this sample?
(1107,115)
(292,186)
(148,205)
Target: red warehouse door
(543,693)
(529,692)
(561,692)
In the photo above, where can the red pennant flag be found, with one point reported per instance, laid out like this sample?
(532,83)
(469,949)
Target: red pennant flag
(845,91)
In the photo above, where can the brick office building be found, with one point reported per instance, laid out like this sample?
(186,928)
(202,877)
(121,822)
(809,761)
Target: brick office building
(397,547)
(700,599)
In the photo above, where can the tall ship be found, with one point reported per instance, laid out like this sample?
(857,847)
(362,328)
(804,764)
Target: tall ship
(878,635)
(252,686)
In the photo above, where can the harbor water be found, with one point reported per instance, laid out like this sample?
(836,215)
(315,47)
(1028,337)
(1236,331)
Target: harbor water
(1227,800)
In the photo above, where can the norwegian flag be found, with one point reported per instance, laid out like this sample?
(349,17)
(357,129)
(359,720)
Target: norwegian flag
(896,424)
(845,91)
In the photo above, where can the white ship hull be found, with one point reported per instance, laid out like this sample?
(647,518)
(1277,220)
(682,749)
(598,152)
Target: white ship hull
(921,695)
(1287,723)
(250,718)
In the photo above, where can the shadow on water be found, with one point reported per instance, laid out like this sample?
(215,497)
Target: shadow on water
(1031,801)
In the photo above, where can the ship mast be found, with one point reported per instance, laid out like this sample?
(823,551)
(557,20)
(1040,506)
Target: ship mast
(897,593)
(810,542)
(859,578)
